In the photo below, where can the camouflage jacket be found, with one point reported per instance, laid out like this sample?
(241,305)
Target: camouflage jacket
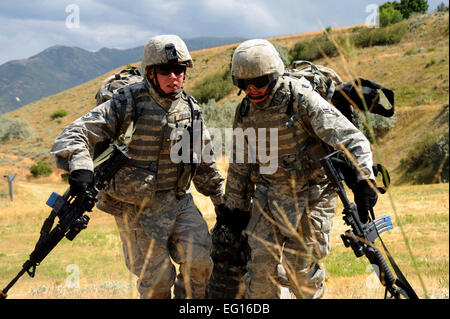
(150,168)
(300,143)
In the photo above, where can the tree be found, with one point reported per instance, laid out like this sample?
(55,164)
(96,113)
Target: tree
(406,7)
(390,15)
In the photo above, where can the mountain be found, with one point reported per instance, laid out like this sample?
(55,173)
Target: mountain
(58,68)
(416,69)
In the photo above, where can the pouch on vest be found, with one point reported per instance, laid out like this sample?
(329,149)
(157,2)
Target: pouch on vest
(133,185)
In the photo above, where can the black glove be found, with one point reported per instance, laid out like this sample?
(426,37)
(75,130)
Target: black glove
(235,218)
(223,214)
(79,180)
(365,198)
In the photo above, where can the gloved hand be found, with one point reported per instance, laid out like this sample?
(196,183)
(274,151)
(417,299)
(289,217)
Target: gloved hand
(79,180)
(365,198)
(223,214)
(235,218)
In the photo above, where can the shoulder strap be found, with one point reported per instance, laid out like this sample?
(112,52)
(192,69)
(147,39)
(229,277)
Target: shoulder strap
(124,97)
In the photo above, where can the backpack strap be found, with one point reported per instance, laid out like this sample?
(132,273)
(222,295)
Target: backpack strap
(120,102)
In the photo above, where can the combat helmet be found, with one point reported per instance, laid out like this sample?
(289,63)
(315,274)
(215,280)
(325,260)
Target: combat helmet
(165,49)
(254,59)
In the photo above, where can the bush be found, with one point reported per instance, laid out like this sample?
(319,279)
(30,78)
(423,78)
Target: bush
(389,16)
(213,87)
(428,161)
(407,7)
(367,37)
(284,54)
(41,168)
(58,113)
(380,124)
(438,157)
(14,129)
(442,7)
(219,117)
(314,49)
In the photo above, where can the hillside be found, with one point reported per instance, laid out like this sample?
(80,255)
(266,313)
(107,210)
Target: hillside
(61,67)
(416,69)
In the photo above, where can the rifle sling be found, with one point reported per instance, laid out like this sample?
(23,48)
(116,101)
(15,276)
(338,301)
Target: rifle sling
(402,283)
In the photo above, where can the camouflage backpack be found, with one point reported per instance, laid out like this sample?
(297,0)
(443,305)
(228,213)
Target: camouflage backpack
(114,82)
(114,86)
(359,94)
(345,96)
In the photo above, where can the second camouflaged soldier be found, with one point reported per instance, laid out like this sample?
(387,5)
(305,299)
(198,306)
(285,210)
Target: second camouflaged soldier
(149,197)
(292,208)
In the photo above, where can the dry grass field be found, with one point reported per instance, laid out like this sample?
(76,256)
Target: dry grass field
(416,69)
(94,259)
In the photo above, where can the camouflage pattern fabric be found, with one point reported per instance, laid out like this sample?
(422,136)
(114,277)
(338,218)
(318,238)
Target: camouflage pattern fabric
(151,167)
(230,254)
(181,234)
(148,182)
(293,207)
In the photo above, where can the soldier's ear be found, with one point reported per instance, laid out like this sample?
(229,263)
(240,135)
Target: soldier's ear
(150,73)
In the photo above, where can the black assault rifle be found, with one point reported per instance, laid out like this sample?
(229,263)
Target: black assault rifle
(70,209)
(361,237)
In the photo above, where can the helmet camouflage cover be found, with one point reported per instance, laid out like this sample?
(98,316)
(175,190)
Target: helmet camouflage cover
(165,49)
(255,58)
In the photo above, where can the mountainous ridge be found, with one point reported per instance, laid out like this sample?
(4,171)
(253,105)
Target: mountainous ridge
(59,67)
(416,69)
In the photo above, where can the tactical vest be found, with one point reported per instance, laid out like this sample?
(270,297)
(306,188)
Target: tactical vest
(150,168)
(298,151)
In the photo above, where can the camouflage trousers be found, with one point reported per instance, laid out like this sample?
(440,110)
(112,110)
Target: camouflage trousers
(166,229)
(293,231)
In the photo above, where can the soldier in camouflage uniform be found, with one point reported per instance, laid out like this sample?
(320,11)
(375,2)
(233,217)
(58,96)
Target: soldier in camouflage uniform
(291,209)
(149,197)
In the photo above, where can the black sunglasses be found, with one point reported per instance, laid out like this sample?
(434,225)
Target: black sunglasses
(168,69)
(258,83)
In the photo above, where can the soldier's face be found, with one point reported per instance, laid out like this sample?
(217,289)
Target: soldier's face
(169,80)
(256,95)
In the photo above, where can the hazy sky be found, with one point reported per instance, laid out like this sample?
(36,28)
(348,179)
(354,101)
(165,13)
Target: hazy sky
(28,27)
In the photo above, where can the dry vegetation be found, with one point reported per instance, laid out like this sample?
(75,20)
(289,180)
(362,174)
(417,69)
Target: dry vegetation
(421,210)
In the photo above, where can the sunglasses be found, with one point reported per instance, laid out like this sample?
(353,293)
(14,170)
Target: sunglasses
(175,69)
(258,83)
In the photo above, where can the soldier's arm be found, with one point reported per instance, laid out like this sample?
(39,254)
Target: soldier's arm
(337,131)
(208,180)
(73,147)
(237,193)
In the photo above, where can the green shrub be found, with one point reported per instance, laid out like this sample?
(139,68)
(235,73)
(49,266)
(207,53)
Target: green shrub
(41,168)
(219,117)
(314,49)
(213,87)
(367,37)
(406,7)
(427,161)
(442,7)
(437,157)
(380,124)
(14,129)
(284,54)
(58,113)
(390,16)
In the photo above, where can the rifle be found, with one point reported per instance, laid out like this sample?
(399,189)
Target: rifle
(361,237)
(70,209)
